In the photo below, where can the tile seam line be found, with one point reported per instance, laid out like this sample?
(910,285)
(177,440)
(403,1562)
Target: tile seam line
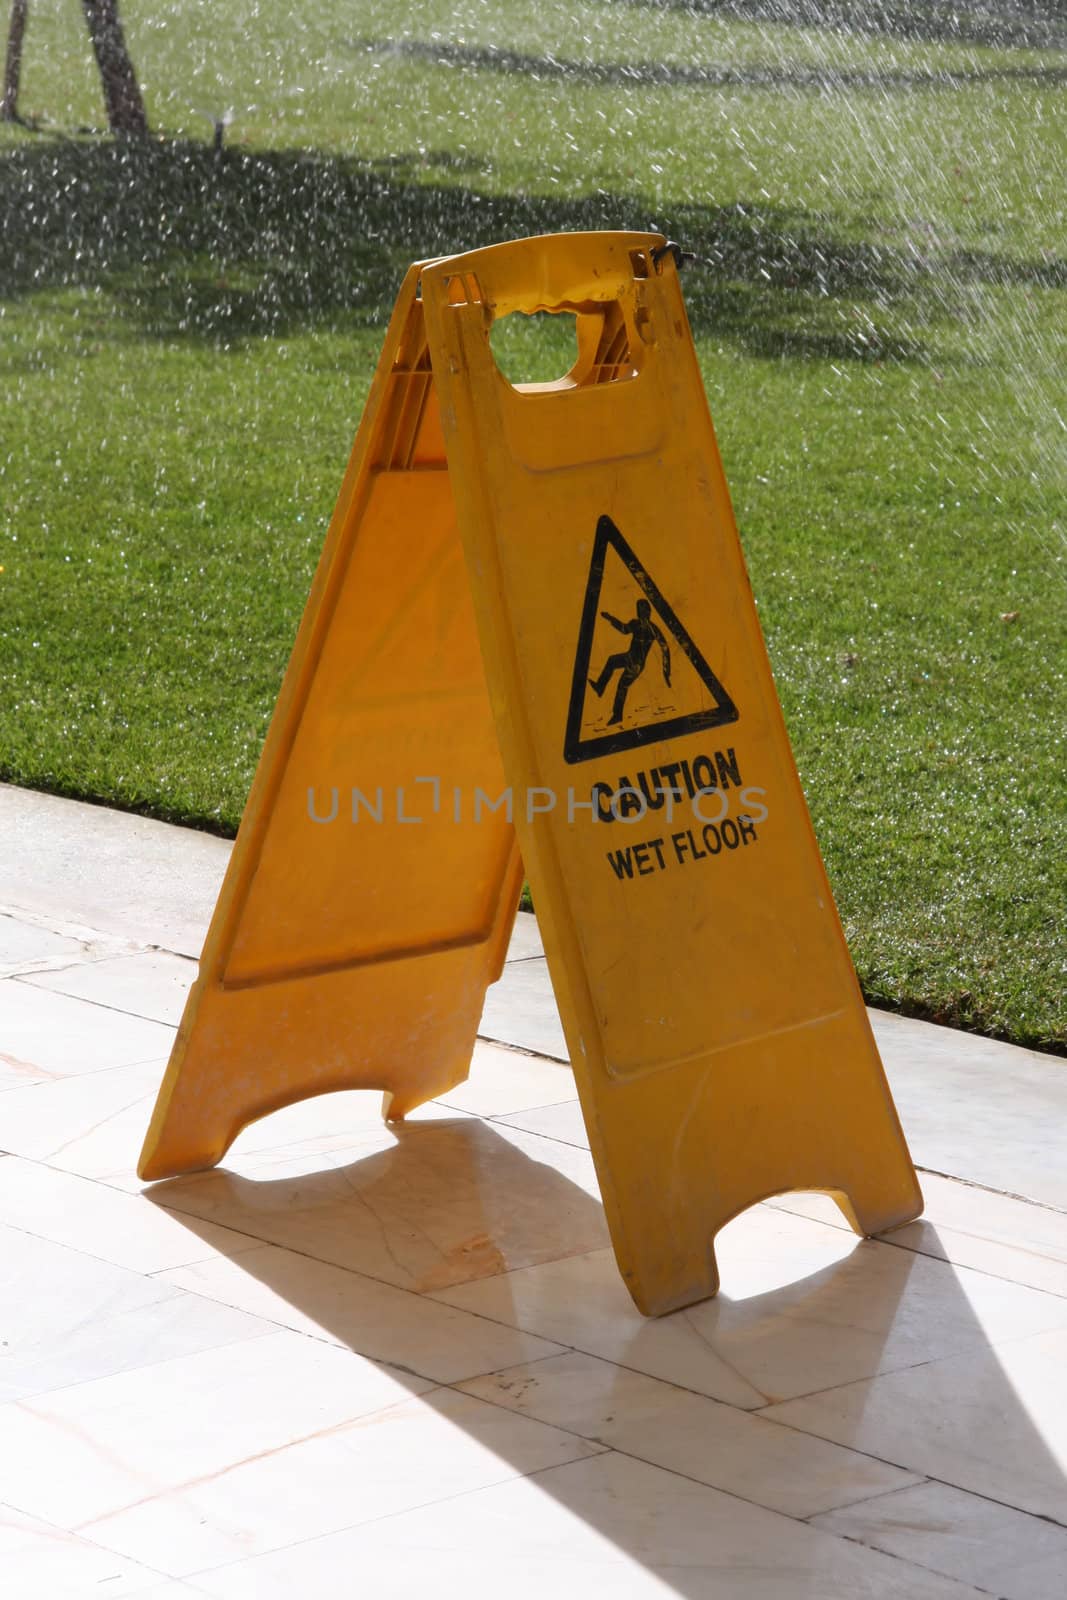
(916,1566)
(271,1451)
(679,1472)
(986,1272)
(597,1448)
(49,1161)
(85,933)
(536,1133)
(600,1454)
(891,1372)
(38,969)
(101,1005)
(26,1401)
(355,1272)
(437,1297)
(640,1372)
(336,1343)
(890,1236)
(432,1296)
(82,963)
(525,1049)
(1007,1505)
(502,1116)
(273,1328)
(946,1261)
(987,1348)
(548,1105)
(148,1273)
(456,1384)
(105,1549)
(387,1516)
(119,1066)
(944,1483)
(85,1133)
(731,1366)
(985,1188)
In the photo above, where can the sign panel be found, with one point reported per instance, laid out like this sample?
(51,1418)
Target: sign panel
(358,925)
(718,1037)
(583,534)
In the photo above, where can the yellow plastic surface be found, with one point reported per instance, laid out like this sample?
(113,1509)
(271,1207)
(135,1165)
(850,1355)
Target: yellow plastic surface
(720,1045)
(717,1033)
(352,954)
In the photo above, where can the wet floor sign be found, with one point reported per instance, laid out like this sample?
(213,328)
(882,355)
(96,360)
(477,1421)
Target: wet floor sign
(531,630)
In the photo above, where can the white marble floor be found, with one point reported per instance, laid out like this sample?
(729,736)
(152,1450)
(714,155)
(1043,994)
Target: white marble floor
(360,1360)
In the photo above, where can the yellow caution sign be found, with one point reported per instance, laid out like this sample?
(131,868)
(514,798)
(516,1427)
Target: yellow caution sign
(532,618)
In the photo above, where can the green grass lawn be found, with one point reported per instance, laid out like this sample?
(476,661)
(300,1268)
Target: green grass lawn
(186,343)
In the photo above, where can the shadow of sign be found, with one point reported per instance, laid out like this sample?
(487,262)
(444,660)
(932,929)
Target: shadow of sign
(836,1405)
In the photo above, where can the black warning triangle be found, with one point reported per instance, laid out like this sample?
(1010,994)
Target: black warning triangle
(630,663)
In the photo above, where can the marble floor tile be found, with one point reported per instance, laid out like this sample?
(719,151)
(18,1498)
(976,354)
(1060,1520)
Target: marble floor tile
(802,1307)
(984,1214)
(128,876)
(419,1204)
(94,1449)
(712,1443)
(1034,1269)
(25,945)
(952,1203)
(562,1121)
(1013,1555)
(526,938)
(85,1215)
(46,1036)
(169,1589)
(998,1235)
(40,1562)
(609,1526)
(1011,1135)
(375,1319)
(93,1125)
(805,1307)
(68,1318)
(503,1080)
(440,1447)
(583,1302)
(521,1010)
(971,1227)
(148,983)
(1045,1579)
(991,1421)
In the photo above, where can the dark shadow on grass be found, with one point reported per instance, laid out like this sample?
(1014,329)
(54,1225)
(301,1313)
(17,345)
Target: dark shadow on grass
(712,75)
(996,24)
(221,248)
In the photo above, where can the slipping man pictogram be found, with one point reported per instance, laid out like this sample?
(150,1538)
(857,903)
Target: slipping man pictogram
(631,663)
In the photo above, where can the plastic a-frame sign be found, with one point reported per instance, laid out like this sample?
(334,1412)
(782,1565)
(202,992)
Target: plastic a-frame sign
(531,630)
